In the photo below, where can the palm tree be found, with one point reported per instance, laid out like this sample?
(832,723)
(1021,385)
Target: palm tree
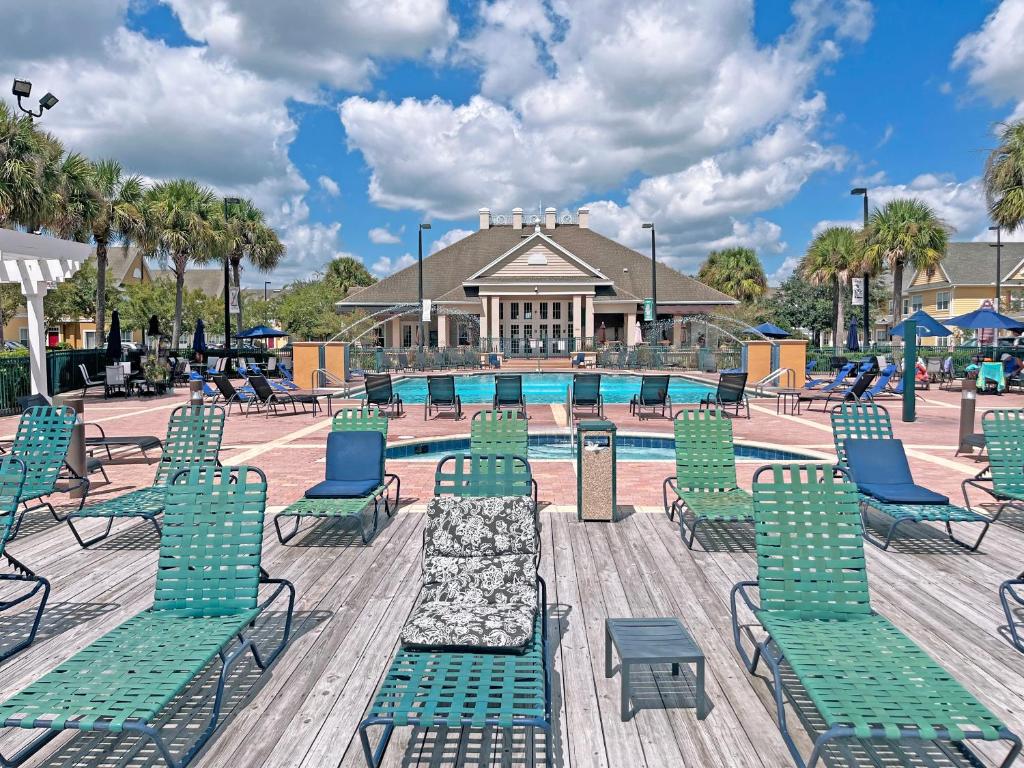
(245,234)
(831,258)
(120,217)
(75,200)
(179,229)
(904,232)
(1004,178)
(736,272)
(30,161)
(345,273)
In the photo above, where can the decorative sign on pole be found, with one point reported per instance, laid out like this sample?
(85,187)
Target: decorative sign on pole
(858,291)
(233,301)
(648,310)
(425,316)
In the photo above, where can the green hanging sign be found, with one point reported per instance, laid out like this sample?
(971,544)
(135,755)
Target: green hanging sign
(648,310)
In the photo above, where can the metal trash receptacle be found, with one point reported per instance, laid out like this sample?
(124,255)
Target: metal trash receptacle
(595,471)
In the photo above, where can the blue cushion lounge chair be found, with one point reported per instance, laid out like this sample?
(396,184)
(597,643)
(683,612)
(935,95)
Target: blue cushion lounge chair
(354,479)
(880,387)
(731,391)
(441,396)
(508,392)
(854,391)
(838,381)
(229,395)
(269,398)
(653,396)
(380,393)
(586,394)
(881,472)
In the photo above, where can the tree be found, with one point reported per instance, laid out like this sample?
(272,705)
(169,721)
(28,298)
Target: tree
(76,297)
(344,273)
(118,218)
(1004,178)
(306,310)
(736,272)
(29,158)
(179,229)
(247,236)
(140,301)
(75,202)
(833,255)
(904,232)
(10,301)
(261,312)
(799,304)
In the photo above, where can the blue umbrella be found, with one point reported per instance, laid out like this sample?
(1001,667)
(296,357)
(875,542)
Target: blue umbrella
(199,338)
(114,338)
(926,326)
(769,330)
(985,318)
(852,343)
(261,332)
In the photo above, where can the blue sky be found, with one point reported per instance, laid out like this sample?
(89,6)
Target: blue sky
(723,121)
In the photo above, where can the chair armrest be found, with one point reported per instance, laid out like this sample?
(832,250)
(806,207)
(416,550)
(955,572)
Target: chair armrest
(87,424)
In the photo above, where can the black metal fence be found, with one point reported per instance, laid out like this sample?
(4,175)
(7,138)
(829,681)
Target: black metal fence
(963,356)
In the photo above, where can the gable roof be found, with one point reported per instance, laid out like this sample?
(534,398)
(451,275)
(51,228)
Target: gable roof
(445,271)
(119,261)
(975,264)
(209,281)
(538,238)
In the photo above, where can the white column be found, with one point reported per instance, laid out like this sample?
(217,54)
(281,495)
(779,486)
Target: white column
(589,315)
(36,341)
(629,327)
(677,332)
(396,332)
(495,317)
(577,318)
(442,330)
(485,323)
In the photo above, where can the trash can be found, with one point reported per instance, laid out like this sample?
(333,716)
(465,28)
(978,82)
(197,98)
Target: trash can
(76,458)
(195,391)
(595,471)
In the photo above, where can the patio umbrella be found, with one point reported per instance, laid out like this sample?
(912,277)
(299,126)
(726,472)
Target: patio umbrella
(602,332)
(638,336)
(260,332)
(114,338)
(926,326)
(852,343)
(985,318)
(769,330)
(199,338)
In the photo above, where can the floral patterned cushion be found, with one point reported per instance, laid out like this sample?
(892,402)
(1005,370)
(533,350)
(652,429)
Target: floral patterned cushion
(475,527)
(441,624)
(493,579)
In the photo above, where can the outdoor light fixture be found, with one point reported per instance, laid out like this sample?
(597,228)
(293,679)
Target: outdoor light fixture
(423,225)
(654,274)
(998,245)
(228,202)
(867,329)
(22,89)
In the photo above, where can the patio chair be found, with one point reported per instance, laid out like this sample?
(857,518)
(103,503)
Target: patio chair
(866,679)
(731,391)
(493,360)
(1011,596)
(879,468)
(229,395)
(466,474)
(441,396)
(116,380)
(653,396)
(208,391)
(194,437)
(380,393)
(947,376)
(12,481)
(270,399)
(704,484)
(830,384)
(87,381)
(508,392)
(854,391)
(1003,478)
(586,394)
(473,651)
(498,433)
(354,479)
(360,420)
(141,443)
(622,359)
(205,606)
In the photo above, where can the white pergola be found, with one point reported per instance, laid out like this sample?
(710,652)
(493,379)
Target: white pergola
(36,263)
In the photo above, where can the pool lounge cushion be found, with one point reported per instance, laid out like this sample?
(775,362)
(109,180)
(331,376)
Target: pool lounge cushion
(342,489)
(355,466)
(479,576)
(880,469)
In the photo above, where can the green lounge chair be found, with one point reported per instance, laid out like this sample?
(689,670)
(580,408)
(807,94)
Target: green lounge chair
(858,420)
(41,442)
(360,420)
(508,392)
(462,474)
(194,435)
(441,395)
(586,394)
(866,678)
(498,433)
(445,687)
(12,482)
(705,481)
(205,604)
(1003,478)
(653,396)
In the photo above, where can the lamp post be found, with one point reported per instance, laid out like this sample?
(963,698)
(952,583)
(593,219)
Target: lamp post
(22,89)
(863,191)
(228,202)
(654,278)
(266,285)
(998,245)
(423,226)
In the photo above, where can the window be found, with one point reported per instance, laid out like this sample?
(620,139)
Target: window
(463,334)
(406,335)
(378,336)
(556,310)
(556,330)
(514,310)
(881,335)
(527,310)
(514,329)
(90,338)
(501,309)
(568,308)
(568,331)
(536,259)
(126,334)
(906,306)
(917,302)
(942,300)
(543,310)
(528,331)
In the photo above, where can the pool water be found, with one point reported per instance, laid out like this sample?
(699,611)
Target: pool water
(551,388)
(559,448)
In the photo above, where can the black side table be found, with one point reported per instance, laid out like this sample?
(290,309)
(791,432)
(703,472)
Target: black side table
(652,641)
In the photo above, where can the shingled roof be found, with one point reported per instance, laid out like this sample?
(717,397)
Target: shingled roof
(445,271)
(975,263)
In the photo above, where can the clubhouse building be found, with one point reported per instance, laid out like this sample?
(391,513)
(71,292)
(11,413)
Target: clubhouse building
(531,284)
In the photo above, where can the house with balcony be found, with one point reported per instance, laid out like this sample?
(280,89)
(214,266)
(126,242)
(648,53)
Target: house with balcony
(531,284)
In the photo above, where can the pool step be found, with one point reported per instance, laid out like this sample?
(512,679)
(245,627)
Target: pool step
(526,364)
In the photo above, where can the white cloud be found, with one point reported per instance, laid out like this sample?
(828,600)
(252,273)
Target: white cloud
(886,135)
(993,55)
(385,265)
(329,185)
(824,224)
(449,237)
(961,204)
(786,268)
(383,236)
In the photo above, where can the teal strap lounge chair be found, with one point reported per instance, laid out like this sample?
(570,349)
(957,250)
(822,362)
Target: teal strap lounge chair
(498,433)
(41,442)
(866,679)
(204,607)
(12,482)
(858,420)
(194,436)
(586,394)
(880,469)
(463,474)
(653,397)
(730,392)
(705,481)
(441,396)
(508,392)
(1003,479)
(360,420)
(380,393)
(1011,596)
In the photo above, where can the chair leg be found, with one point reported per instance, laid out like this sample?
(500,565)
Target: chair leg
(281,536)
(1008,591)
(23,574)
(86,543)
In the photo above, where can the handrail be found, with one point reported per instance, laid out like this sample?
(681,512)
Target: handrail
(760,384)
(327,379)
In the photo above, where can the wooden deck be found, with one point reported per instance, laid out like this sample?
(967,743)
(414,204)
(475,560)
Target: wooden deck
(352,600)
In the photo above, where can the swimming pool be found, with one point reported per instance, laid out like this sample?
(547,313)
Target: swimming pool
(551,388)
(558,448)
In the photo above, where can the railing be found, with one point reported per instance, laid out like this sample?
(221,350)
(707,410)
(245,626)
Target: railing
(62,373)
(14,382)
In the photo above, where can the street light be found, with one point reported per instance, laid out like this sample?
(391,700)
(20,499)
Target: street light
(654,276)
(228,202)
(998,245)
(423,226)
(867,328)
(266,285)
(22,89)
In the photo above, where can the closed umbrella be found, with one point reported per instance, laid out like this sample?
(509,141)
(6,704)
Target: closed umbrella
(199,338)
(926,326)
(852,342)
(602,333)
(638,336)
(114,338)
